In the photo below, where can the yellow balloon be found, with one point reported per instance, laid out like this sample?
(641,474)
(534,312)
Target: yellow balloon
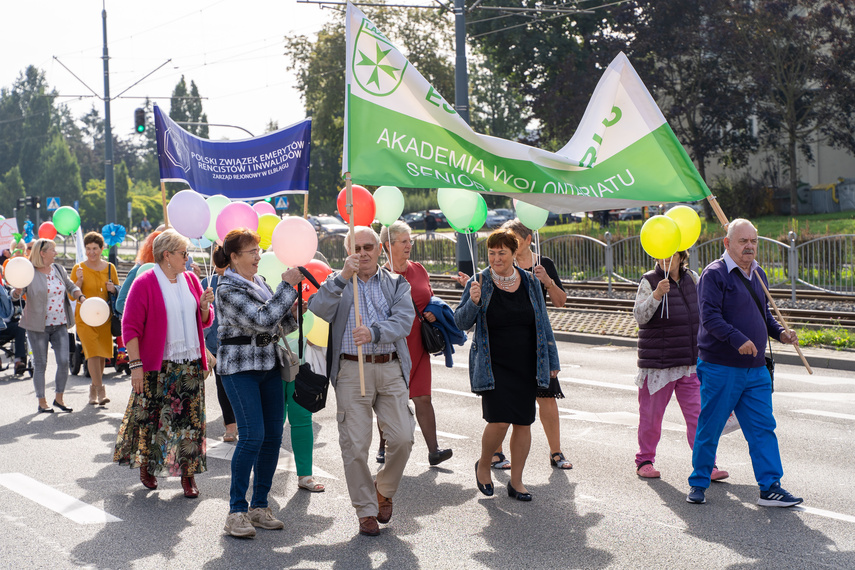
(689,223)
(319,335)
(266,223)
(660,237)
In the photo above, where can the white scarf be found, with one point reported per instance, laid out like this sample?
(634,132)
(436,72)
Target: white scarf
(182,337)
(257,284)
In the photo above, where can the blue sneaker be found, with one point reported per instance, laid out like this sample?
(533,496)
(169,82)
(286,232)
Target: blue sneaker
(777,496)
(696,495)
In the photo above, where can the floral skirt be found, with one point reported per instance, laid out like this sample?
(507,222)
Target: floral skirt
(164,427)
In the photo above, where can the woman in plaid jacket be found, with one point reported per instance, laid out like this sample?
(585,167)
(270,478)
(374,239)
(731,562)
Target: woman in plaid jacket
(251,317)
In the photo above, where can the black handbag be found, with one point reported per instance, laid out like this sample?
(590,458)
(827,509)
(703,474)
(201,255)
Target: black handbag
(115,318)
(770,361)
(310,388)
(433,340)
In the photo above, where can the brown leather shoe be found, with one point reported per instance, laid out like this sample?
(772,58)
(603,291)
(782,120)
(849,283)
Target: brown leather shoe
(368,526)
(146,478)
(385,507)
(190,489)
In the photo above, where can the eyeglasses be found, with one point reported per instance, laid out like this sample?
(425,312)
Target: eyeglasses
(367,248)
(181,253)
(253,252)
(406,241)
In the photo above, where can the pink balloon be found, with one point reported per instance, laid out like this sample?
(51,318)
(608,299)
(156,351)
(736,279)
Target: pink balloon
(294,241)
(264,208)
(236,215)
(189,214)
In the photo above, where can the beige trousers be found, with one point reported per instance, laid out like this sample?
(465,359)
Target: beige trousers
(386,393)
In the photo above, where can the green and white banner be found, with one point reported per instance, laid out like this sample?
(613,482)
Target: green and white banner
(400,132)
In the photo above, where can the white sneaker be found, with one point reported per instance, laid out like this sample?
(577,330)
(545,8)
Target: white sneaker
(263,518)
(239,525)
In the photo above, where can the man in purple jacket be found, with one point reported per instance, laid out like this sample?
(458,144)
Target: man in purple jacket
(732,368)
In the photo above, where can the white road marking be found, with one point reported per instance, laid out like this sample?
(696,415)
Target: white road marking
(828,414)
(814,379)
(225,450)
(456,392)
(824,513)
(615,418)
(630,387)
(55,500)
(836,397)
(446,434)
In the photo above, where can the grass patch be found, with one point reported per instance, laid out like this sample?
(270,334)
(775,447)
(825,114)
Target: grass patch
(834,338)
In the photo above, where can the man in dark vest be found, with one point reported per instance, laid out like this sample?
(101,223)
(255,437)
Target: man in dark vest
(732,369)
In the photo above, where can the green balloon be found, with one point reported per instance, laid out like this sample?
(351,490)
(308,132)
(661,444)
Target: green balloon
(271,269)
(144,267)
(532,217)
(215,205)
(458,205)
(477,221)
(2,218)
(389,204)
(66,220)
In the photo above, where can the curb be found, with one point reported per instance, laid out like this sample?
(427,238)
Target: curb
(816,357)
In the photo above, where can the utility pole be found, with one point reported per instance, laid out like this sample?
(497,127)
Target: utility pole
(465,263)
(108,141)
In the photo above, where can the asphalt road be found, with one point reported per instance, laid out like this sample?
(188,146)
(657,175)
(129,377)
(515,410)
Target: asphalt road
(63,504)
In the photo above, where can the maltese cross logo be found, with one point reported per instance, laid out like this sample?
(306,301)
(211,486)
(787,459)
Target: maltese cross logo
(377,66)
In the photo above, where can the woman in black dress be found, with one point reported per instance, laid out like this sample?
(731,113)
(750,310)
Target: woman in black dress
(513,355)
(547,399)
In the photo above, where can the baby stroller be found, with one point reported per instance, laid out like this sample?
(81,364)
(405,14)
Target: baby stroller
(76,359)
(13,339)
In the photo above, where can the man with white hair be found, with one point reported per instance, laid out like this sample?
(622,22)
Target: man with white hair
(386,317)
(732,368)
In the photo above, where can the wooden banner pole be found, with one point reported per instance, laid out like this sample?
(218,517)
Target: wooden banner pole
(349,210)
(163,200)
(782,321)
(722,219)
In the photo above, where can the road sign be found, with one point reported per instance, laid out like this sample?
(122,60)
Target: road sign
(282,203)
(130,208)
(53,204)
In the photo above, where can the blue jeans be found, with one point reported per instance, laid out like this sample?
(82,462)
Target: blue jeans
(258,401)
(748,393)
(57,335)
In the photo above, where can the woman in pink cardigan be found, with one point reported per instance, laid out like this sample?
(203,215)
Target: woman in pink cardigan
(164,426)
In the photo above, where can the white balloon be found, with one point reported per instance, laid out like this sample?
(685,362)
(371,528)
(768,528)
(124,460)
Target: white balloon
(19,272)
(94,311)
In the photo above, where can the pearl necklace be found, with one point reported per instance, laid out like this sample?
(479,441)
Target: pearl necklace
(504,282)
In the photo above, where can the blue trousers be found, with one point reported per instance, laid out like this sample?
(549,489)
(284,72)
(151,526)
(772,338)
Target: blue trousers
(748,393)
(258,401)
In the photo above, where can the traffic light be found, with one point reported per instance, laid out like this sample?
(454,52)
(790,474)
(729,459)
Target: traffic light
(139,120)
(33,201)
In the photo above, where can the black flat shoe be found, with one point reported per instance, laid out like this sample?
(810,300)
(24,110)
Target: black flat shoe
(514,494)
(61,407)
(486,489)
(42,410)
(440,455)
(381,455)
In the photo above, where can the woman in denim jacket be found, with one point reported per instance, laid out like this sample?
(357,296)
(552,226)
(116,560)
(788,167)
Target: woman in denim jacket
(512,355)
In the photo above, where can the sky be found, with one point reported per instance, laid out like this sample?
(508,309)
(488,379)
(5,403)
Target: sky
(232,49)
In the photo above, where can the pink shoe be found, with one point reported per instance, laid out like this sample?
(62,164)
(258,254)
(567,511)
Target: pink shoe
(647,471)
(718,474)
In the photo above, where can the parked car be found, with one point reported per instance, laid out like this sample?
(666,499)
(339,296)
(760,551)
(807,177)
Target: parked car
(328,225)
(494,219)
(637,214)
(554,219)
(416,220)
(696,206)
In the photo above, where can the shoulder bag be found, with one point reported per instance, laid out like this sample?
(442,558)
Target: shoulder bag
(770,360)
(310,388)
(115,318)
(433,340)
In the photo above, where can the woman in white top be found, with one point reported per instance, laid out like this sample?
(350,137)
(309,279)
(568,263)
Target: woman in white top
(47,316)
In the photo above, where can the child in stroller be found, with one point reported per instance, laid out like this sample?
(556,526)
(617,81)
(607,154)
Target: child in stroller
(13,338)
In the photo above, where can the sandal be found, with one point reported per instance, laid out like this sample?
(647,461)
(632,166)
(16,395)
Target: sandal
(502,462)
(308,483)
(557,460)
(230,436)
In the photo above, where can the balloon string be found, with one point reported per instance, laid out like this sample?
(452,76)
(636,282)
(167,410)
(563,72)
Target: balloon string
(537,246)
(472,253)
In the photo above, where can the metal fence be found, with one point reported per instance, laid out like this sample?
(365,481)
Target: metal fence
(823,264)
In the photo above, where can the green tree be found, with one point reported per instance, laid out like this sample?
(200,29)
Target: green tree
(799,55)
(186,107)
(11,188)
(93,205)
(58,173)
(122,182)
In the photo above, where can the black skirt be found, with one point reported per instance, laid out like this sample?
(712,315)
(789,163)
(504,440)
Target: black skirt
(513,355)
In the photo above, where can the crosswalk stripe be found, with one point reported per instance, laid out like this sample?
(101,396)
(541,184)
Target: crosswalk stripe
(629,387)
(446,434)
(827,414)
(55,500)
(225,450)
(824,513)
